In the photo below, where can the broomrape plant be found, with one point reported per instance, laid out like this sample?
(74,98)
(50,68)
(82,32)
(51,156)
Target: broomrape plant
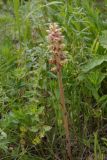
(58,59)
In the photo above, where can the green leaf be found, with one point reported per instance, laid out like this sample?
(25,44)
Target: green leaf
(34,129)
(103,39)
(93,63)
(47,128)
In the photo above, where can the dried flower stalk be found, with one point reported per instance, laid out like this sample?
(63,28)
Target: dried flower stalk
(56,46)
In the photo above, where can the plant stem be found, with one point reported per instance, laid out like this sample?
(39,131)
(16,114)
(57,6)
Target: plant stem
(63,108)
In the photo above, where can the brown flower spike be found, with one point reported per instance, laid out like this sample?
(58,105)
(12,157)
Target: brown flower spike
(56,46)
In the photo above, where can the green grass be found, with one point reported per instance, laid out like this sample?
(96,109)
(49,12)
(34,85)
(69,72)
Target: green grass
(29,93)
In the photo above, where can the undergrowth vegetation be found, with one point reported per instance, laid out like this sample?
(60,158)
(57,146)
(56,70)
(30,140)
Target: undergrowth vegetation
(31,125)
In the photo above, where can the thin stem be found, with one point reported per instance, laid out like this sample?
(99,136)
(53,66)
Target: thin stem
(63,108)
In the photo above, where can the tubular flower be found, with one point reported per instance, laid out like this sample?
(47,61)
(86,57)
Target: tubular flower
(56,45)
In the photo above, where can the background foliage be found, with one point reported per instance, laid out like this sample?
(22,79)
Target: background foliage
(30,116)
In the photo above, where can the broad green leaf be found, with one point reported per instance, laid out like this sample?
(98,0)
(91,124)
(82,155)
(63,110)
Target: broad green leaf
(93,63)
(103,39)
